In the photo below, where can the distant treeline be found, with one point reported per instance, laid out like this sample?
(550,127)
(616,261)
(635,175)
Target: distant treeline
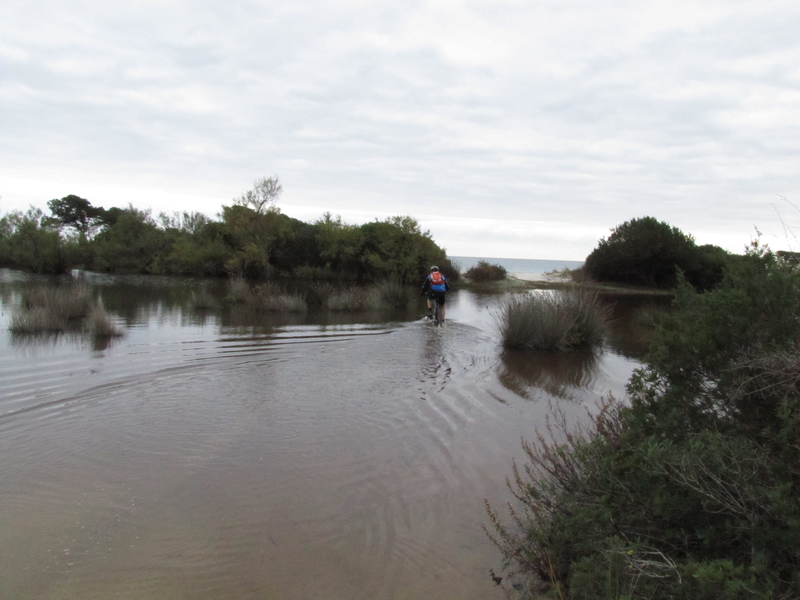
(251,238)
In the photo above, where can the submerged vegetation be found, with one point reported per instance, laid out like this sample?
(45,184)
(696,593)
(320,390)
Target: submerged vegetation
(552,320)
(273,296)
(690,488)
(251,239)
(61,309)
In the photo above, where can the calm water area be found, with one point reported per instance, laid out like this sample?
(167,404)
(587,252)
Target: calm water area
(228,454)
(521,268)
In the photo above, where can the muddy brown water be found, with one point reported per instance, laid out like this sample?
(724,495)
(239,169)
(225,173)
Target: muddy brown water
(231,455)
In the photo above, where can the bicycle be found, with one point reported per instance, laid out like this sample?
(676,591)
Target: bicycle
(434,311)
(436,321)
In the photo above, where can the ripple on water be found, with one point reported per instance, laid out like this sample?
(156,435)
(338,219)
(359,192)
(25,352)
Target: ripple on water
(292,462)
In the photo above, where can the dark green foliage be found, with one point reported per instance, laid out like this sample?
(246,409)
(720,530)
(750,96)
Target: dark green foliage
(692,489)
(133,244)
(649,252)
(76,212)
(484,271)
(30,241)
(252,239)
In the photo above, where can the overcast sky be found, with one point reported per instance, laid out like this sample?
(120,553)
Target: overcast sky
(519,129)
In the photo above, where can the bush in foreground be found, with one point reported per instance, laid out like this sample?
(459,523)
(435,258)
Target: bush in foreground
(691,489)
(552,320)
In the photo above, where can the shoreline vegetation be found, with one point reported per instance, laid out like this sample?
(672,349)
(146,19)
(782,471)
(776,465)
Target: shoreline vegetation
(250,238)
(689,487)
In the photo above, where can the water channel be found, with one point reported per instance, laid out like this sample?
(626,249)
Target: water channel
(223,454)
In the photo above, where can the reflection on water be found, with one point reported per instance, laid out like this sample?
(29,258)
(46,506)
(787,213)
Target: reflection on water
(233,454)
(564,375)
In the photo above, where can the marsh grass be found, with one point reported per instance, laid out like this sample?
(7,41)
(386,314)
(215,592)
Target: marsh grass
(318,294)
(350,299)
(552,320)
(393,294)
(100,325)
(238,289)
(272,297)
(44,310)
(202,299)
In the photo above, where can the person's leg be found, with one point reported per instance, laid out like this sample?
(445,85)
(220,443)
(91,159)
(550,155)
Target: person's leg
(430,307)
(441,310)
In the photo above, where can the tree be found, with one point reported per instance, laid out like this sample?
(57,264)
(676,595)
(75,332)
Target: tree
(76,212)
(649,252)
(263,196)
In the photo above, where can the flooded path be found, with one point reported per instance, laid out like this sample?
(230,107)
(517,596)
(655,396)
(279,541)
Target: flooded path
(200,457)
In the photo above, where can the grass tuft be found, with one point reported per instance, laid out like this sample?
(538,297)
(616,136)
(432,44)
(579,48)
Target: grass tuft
(238,289)
(552,320)
(202,299)
(393,294)
(60,309)
(271,297)
(100,325)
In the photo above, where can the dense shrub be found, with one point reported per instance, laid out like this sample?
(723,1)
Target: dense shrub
(649,252)
(552,320)
(484,271)
(690,490)
(31,242)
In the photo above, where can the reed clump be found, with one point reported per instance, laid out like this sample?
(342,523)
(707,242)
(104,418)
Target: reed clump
(100,325)
(203,299)
(352,299)
(272,297)
(60,309)
(238,290)
(552,320)
(393,294)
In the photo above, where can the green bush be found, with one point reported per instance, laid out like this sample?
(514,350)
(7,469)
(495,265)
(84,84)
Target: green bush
(691,489)
(484,271)
(649,252)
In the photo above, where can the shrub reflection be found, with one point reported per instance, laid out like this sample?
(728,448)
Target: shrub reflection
(559,374)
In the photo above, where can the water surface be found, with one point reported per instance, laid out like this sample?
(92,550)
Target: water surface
(231,455)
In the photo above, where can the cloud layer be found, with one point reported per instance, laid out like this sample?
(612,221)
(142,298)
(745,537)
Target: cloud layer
(509,129)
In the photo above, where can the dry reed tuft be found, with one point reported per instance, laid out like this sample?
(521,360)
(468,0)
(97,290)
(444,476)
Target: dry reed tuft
(393,294)
(273,298)
(238,289)
(202,299)
(100,325)
(552,320)
(60,309)
(354,299)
